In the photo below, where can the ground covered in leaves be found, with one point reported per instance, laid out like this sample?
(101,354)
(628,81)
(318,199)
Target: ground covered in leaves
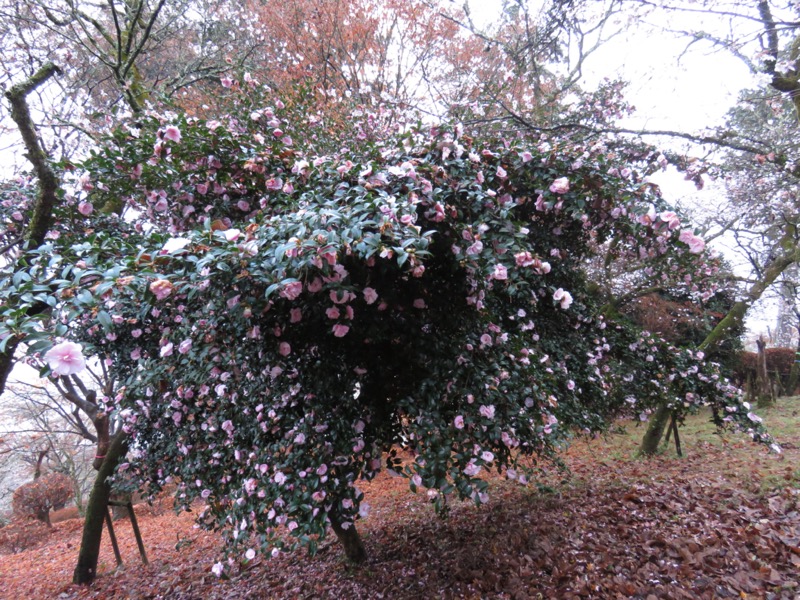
(722,522)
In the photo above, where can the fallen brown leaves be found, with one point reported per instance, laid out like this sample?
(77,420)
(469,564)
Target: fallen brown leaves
(722,523)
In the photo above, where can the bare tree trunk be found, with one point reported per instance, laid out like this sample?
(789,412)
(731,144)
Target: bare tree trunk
(86,569)
(350,540)
(764,392)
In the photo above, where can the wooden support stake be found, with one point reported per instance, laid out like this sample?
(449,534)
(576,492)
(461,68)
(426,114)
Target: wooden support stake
(677,439)
(113,538)
(136,533)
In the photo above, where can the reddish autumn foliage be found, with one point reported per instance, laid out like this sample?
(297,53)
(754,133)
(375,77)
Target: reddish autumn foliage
(779,365)
(37,498)
(674,321)
(720,523)
(21,534)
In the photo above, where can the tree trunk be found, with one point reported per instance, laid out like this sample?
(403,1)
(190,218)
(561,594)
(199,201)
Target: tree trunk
(794,379)
(655,429)
(764,392)
(786,253)
(86,569)
(350,540)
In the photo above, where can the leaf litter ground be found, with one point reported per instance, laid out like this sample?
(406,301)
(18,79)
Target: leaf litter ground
(723,522)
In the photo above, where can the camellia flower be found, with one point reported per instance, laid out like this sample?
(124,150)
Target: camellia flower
(65,358)
(500,272)
(563,297)
(696,244)
(172,133)
(523,259)
(370,295)
(458,422)
(340,330)
(85,208)
(161,288)
(292,290)
(232,234)
(560,186)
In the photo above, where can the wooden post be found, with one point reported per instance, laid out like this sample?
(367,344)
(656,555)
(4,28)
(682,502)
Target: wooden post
(113,537)
(677,438)
(137,534)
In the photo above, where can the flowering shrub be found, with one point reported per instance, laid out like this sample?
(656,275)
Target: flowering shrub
(280,319)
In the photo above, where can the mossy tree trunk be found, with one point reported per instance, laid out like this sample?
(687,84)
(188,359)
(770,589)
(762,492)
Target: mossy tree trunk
(785,252)
(86,569)
(655,429)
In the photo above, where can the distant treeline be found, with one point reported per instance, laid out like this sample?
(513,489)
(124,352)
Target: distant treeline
(780,366)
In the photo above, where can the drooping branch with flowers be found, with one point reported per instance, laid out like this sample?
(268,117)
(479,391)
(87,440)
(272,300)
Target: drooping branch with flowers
(280,319)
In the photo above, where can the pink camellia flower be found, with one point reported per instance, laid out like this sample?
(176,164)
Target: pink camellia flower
(340,330)
(560,186)
(65,358)
(670,218)
(172,133)
(370,295)
(274,183)
(696,244)
(501,173)
(85,208)
(472,469)
(649,217)
(458,422)
(526,156)
(232,234)
(292,290)
(185,346)
(166,350)
(523,259)
(284,349)
(500,273)
(161,206)
(475,248)
(487,411)
(563,297)
(296,315)
(161,288)
(419,303)
(333,312)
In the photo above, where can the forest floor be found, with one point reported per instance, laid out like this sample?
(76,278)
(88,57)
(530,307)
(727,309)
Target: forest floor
(721,522)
